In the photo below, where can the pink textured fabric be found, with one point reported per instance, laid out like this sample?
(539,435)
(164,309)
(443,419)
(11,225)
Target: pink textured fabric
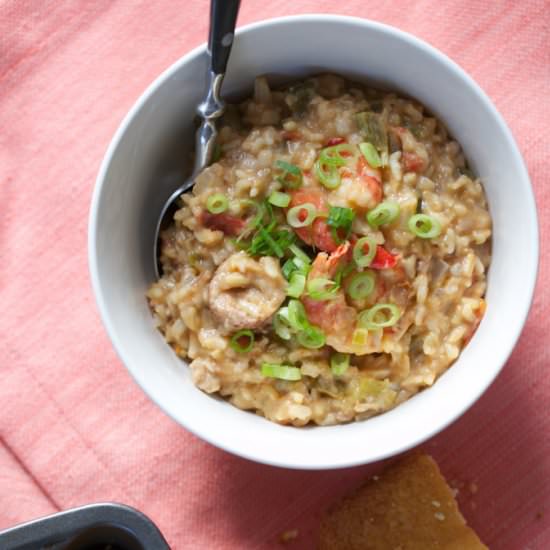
(74,428)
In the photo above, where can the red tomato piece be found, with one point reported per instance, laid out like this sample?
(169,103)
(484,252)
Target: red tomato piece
(335,141)
(230,225)
(383,259)
(413,163)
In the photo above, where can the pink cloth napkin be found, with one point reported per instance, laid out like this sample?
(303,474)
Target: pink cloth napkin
(74,427)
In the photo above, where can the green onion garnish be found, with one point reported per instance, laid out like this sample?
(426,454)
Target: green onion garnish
(242,341)
(289,267)
(424,226)
(361,285)
(337,155)
(290,175)
(299,253)
(339,363)
(340,218)
(296,285)
(371,154)
(343,271)
(282,200)
(362,258)
(312,338)
(282,372)
(322,289)
(360,337)
(295,216)
(281,324)
(297,317)
(301,265)
(217,203)
(327,174)
(268,241)
(385,212)
(379,316)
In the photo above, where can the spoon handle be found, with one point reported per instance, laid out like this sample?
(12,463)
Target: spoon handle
(223,17)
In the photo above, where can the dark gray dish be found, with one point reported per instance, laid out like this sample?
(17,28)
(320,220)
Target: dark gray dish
(106,526)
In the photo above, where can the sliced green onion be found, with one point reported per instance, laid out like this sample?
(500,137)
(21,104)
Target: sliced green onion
(289,267)
(299,253)
(217,203)
(327,174)
(322,289)
(362,258)
(282,372)
(379,316)
(282,200)
(371,154)
(385,212)
(360,337)
(271,242)
(301,265)
(424,226)
(296,285)
(281,324)
(361,285)
(340,218)
(337,155)
(343,271)
(295,217)
(236,341)
(290,175)
(297,316)
(339,363)
(312,338)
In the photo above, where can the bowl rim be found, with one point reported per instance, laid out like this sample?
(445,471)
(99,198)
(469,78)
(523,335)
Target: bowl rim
(531,279)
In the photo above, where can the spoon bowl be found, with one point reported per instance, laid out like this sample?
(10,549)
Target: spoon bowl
(223,18)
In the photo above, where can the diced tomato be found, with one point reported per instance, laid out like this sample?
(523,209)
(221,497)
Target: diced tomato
(335,141)
(291,135)
(371,178)
(413,163)
(383,259)
(230,225)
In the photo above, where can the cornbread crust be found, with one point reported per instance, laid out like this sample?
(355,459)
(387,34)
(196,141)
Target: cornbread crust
(409,506)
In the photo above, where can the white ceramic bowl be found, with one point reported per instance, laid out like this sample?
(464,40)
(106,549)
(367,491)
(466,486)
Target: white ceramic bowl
(146,159)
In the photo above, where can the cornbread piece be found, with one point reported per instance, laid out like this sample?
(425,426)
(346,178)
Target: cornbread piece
(409,506)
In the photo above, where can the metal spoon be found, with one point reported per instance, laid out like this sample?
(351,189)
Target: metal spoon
(223,17)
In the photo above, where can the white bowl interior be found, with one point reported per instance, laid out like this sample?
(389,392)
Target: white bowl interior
(148,156)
